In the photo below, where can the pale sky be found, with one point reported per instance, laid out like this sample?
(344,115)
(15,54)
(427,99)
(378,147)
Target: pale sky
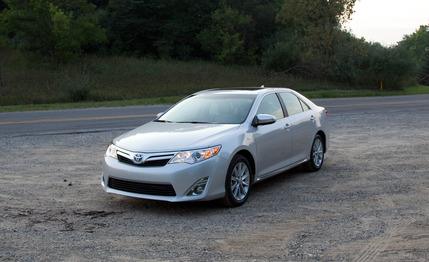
(387,21)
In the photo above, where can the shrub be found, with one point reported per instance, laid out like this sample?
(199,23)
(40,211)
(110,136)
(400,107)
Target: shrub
(79,94)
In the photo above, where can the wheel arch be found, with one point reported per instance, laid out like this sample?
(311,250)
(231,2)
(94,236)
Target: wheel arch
(323,136)
(249,156)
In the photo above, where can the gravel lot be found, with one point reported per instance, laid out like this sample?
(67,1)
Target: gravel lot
(369,202)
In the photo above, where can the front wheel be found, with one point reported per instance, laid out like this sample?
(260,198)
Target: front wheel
(238,182)
(317,154)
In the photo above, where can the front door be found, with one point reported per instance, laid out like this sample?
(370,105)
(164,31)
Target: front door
(272,141)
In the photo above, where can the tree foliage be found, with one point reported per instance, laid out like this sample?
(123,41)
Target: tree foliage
(317,22)
(56,29)
(224,39)
(416,44)
(315,27)
(423,74)
(304,37)
(163,28)
(311,43)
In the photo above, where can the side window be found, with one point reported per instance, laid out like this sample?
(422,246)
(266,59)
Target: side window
(292,103)
(271,105)
(304,106)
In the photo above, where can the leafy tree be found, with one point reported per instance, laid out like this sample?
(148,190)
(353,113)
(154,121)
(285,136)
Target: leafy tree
(163,28)
(186,19)
(303,38)
(316,25)
(225,37)
(174,28)
(312,44)
(134,26)
(56,29)
(348,62)
(416,44)
(317,21)
(388,66)
(284,55)
(423,76)
(263,25)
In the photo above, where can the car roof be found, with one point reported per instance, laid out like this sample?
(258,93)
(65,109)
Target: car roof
(243,90)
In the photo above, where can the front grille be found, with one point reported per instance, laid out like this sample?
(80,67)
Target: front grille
(156,162)
(141,188)
(126,160)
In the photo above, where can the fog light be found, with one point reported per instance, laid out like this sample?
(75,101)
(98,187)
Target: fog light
(198,187)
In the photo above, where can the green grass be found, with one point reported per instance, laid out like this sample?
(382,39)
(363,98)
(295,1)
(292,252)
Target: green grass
(94,78)
(120,81)
(91,104)
(333,93)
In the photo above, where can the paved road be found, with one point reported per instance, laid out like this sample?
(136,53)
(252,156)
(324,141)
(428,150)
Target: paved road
(123,118)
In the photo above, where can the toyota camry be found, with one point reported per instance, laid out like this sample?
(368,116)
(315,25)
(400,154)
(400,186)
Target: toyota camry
(216,144)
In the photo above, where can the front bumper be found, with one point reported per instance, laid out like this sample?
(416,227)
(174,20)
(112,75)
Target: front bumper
(181,176)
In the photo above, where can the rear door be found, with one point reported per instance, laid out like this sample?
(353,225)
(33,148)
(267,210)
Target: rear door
(272,142)
(301,121)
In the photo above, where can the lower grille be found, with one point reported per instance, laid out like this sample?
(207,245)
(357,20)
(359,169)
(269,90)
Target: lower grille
(141,188)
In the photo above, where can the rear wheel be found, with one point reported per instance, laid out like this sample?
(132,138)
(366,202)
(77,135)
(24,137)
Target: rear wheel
(238,182)
(317,154)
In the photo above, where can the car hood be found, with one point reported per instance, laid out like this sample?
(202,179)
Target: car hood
(163,137)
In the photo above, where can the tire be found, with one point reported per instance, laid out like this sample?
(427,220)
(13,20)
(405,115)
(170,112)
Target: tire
(239,173)
(317,155)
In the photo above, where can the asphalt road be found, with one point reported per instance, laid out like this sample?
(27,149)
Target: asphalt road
(123,118)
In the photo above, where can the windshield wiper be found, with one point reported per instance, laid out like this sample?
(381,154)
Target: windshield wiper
(162,121)
(196,122)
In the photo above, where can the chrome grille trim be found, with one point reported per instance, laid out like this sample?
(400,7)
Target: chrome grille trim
(149,159)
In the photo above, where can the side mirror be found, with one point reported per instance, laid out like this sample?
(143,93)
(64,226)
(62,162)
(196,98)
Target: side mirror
(159,115)
(263,119)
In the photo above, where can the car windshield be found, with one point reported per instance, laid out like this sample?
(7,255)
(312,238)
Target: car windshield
(211,109)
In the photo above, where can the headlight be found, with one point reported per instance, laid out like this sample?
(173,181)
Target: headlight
(195,156)
(111,151)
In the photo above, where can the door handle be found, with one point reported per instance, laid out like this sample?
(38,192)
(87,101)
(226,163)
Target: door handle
(287,127)
(312,118)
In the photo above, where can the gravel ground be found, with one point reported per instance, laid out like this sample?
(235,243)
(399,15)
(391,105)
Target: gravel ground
(369,202)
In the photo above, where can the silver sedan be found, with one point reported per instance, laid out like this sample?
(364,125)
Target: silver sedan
(217,144)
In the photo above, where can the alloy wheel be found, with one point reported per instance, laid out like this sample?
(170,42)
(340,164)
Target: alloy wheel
(240,181)
(317,152)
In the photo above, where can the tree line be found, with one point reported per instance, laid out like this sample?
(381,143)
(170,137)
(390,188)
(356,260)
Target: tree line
(304,38)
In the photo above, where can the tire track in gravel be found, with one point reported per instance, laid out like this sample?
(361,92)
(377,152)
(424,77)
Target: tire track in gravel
(378,245)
